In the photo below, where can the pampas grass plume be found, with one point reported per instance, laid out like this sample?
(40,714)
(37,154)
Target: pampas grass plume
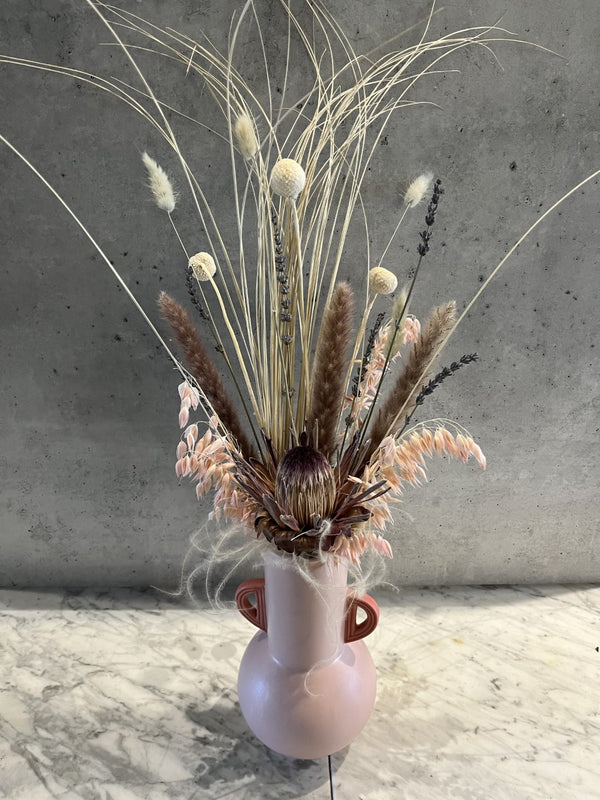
(160,185)
(417,189)
(245,136)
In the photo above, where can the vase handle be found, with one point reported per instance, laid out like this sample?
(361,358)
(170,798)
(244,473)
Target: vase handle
(354,630)
(256,614)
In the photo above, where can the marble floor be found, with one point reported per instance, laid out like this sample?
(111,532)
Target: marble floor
(484,694)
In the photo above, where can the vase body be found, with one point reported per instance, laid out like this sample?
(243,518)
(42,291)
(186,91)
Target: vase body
(306,682)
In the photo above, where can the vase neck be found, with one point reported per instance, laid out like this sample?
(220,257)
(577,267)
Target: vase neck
(305,614)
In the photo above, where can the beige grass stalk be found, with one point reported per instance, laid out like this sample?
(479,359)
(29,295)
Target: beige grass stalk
(194,187)
(366,93)
(402,411)
(101,253)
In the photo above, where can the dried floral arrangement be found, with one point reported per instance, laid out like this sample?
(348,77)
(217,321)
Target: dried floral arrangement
(318,438)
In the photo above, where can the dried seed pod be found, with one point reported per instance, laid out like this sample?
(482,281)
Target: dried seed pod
(203,266)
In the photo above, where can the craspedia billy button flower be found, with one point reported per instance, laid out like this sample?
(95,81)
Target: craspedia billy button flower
(382,281)
(287,178)
(203,266)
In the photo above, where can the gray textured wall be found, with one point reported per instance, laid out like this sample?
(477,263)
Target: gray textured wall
(88,403)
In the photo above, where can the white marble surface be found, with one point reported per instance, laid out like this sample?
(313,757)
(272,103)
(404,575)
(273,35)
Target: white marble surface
(483,694)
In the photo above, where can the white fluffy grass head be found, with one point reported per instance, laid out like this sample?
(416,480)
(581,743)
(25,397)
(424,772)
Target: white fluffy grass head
(287,178)
(417,189)
(203,266)
(245,136)
(160,185)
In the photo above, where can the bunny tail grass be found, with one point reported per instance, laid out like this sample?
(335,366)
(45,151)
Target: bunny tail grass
(202,368)
(330,368)
(420,357)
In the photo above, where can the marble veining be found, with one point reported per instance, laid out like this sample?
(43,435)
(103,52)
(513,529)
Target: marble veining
(484,694)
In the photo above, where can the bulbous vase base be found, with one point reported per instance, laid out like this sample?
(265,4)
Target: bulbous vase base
(304,714)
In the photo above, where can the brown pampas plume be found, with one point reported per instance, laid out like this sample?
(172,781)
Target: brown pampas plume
(202,368)
(330,368)
(419,361)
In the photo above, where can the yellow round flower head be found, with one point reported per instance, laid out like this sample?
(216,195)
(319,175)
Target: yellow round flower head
(203,266)
(287,178)
(382,281)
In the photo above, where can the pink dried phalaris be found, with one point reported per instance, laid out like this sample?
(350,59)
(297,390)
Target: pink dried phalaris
(450,445)
(179,467)
(387,448)
(412,329)
(464,450)
(191,436)
(416,447)
(186,390)
(383,546)
(421,471)
(194,396)
(204,442)
(184,417)
(478,454)
(192,430)
(181,450)
(439,444)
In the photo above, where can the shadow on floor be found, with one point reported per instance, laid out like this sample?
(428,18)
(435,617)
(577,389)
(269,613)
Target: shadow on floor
(229,752)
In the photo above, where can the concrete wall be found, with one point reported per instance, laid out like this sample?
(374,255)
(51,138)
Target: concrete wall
(88,403)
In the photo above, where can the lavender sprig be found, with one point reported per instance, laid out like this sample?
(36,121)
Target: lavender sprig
(423,247)
(360,373)
(192,288)
(430,387)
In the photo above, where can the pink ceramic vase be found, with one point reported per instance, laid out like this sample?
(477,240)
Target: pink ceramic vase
(306,682)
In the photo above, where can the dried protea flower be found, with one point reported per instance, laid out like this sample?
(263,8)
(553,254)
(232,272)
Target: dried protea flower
(160,184)
(417,189)
(287,178)
(382,281)
(245,136)
(203,266)
(305,485)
